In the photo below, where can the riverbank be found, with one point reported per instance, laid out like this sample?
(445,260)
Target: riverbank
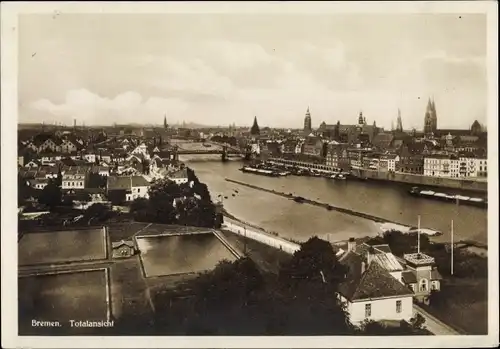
(270,233)
(479,186)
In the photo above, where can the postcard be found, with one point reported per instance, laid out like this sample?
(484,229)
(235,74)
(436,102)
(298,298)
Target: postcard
(249,174)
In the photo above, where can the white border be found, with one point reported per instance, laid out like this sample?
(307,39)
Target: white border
(9,12)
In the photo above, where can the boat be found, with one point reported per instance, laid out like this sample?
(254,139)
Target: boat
(298,199)
(340,176)
(269,173)
(333,176)
(458,199)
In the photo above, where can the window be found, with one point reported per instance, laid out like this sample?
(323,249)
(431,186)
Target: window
(423,285)
(398,307)
(368,310)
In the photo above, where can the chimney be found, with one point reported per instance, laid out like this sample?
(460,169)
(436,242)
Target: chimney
(351,245)
(363,267)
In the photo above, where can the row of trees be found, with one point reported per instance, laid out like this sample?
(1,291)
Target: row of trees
(171,203)
(237,298)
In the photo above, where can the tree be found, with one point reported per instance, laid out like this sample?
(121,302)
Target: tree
(315,260)
(51,195)
(97,212)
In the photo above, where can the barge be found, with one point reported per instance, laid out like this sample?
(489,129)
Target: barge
(269,173)
(458,199)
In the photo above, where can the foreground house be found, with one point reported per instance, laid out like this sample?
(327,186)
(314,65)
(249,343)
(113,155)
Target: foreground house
(370,292)
(381,286)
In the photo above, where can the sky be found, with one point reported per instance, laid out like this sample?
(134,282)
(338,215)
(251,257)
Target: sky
(220,69)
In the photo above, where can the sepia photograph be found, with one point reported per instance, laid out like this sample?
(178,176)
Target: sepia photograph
(250,170)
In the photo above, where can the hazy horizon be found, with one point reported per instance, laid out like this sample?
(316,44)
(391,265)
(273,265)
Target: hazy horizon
(220,69)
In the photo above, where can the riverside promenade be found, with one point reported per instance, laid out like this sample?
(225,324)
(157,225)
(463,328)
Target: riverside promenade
(259,235)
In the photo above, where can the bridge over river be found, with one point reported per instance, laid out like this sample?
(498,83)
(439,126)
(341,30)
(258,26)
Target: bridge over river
(183,147)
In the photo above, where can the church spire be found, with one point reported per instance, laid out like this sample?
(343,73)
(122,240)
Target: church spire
(165,125)
(399,126)
(255,131)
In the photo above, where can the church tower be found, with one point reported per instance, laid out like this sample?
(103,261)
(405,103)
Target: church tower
(430,120)
(307,123)
(399,126)
(361,119)
(165,125)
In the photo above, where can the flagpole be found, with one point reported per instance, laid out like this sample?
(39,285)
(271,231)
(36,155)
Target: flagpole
(418,235)
(452,247)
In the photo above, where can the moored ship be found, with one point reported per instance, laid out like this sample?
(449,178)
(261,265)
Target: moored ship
(458,199)
(259,171)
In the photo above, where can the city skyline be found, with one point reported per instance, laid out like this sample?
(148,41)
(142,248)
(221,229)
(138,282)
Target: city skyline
(217,69)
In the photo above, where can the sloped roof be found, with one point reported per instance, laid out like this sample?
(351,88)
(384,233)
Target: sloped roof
(435,275)
(121,243)
(118,183)
(139,181)
(375,282)
(409,277)
(387,261)
(179,174)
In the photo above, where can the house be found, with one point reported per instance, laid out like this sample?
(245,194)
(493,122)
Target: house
(127,188)
(141,149)
(33,164)
(313,146)
(337,156)
(90,157)
(388,162)
(123,249)
(370,292)
(69,145)
(75,178)
(179,176)
(38,183)
(139,188)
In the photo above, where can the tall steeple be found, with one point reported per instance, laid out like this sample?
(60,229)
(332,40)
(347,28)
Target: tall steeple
(399,126)
(430,120)
(165,125)
(255,130)
(307,122)
(361,119)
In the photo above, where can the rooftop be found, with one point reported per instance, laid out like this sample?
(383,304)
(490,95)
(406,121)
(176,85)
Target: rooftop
(375,282)
(419,258)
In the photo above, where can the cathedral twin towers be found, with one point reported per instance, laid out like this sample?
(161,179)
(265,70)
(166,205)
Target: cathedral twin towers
(430,121)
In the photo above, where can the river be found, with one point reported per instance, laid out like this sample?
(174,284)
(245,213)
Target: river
(301,221)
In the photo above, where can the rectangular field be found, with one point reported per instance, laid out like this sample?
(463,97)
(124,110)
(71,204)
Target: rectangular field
(62,246)
(81,295)
(176,254)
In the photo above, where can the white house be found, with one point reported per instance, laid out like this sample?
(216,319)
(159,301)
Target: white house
(90,157)
(38,183)
(141,149)
(438,165)
(372,293)
(179,176)
(139,187)
(374,288)
(74,178)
